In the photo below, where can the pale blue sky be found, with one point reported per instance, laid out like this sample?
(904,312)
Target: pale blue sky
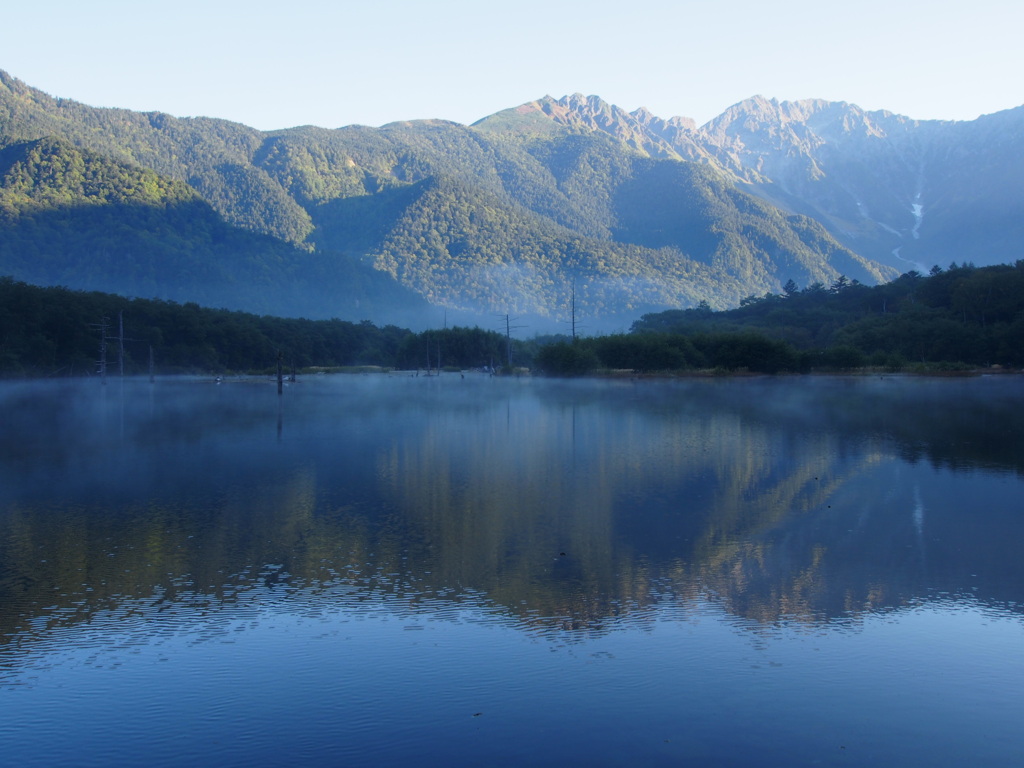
(276,65)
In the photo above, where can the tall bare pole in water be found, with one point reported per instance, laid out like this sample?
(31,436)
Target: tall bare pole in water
(508,338)
(573,309)
(101,364)
(120,343)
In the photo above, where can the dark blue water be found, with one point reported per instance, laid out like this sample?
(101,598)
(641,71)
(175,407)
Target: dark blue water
(474,571)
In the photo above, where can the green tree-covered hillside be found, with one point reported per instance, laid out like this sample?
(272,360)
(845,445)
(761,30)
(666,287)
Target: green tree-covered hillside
(472,218)
(959,315)
(73,217)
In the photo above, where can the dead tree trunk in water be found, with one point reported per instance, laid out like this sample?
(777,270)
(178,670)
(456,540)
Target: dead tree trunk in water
(508,341)
(101,364)
(573,310)
(120,343)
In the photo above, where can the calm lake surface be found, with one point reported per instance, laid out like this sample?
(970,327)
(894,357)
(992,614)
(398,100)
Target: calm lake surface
(395,570)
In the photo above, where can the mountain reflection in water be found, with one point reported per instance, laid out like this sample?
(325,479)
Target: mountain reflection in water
(563,511)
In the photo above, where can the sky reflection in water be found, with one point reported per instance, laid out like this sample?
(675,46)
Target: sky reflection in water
(375,570)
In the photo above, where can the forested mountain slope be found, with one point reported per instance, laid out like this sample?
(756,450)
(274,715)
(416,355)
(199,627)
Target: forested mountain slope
(469,218)
(73,217)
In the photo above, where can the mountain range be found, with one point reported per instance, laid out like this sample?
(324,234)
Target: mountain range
(528,212)
(905,193)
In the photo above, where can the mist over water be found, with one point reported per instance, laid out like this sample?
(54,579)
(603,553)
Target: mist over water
(377,569)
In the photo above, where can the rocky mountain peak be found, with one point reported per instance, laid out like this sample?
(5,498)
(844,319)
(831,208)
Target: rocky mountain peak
(660,125)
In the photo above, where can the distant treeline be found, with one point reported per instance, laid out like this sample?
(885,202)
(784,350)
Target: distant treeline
(963,316)
(58,332)
(958,317)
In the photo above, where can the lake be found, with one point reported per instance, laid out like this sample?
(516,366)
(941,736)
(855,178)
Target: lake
(465,570)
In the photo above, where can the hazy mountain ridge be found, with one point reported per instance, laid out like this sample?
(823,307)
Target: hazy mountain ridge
(861,173)
(640,130)
(506,214)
